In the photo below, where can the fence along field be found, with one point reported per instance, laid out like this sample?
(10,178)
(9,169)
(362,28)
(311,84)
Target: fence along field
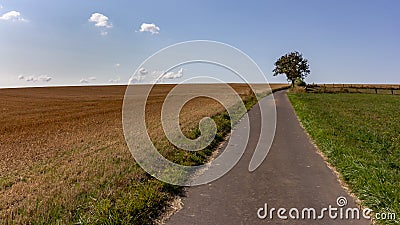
(354,88)
(64,157)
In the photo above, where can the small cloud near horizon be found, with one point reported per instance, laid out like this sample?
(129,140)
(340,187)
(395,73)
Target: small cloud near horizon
(159,76)
(114,80)
(173,75)
(143,71)
(139,76)
(41,78)
(83,81)
(87,80)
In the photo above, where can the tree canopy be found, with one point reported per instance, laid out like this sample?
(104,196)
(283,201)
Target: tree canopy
(293,65)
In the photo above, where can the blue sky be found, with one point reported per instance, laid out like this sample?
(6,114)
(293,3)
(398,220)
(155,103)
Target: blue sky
(45,42)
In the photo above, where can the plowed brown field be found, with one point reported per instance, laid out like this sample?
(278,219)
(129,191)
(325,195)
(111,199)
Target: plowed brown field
(59,145)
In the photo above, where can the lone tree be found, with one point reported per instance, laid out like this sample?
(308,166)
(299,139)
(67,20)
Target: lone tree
(293,65)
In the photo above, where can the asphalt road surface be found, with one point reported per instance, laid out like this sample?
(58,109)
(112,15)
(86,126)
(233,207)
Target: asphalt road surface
(293,175)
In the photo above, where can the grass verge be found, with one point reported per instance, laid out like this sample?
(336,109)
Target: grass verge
(360,135)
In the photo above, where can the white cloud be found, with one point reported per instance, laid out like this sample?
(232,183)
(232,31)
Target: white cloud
(117,65)
(1,6)
(160,76)
(136,79)
(31,78)
(173,75)
(149,27)
(156,76)
(139,76)
(41,78)
(103,33)
(87,80)
(83,81)
(100,20)
(13,16)
(114,80)
(143,71)
(44,78)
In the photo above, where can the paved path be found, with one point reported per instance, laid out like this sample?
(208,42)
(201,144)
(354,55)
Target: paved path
(293,175)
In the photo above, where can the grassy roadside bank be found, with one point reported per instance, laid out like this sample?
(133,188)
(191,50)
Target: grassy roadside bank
(360,135)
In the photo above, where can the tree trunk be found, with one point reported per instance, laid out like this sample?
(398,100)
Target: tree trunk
(293,83)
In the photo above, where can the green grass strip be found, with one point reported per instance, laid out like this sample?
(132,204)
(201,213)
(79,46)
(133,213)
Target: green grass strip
(360,135)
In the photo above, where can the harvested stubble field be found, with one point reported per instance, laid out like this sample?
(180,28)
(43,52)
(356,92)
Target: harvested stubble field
(64,158)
